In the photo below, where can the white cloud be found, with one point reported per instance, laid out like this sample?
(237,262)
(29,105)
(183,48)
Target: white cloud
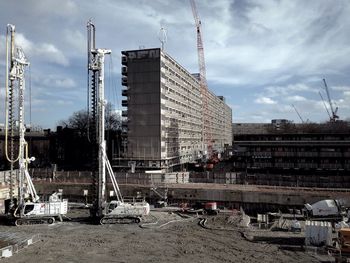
(43,8)
(256,51)
(64,102)
(276,91)
(44,51)
(341,88)
(58,82)
(296,98)
(265,100)
(52,54)
(295,40)
(23,42)
(76,41)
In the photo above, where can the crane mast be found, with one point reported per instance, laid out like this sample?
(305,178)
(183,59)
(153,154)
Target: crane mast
(334,116)
(325,106)
(206,134)
(200,48)
(302,120)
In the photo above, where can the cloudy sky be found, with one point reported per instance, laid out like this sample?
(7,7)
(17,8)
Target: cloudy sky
(263,55)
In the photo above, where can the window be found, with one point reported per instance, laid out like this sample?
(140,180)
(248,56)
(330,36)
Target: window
(28,208)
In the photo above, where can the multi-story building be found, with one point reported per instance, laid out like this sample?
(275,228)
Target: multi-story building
(164,116)
(293,154)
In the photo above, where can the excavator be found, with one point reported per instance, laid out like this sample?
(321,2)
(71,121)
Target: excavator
(104,211)
(26,208)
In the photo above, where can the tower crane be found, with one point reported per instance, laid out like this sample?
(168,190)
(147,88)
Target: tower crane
(324,104)
(200,48)
(115,211)
(302,120)
(206,133)
(27,207)
(334,116)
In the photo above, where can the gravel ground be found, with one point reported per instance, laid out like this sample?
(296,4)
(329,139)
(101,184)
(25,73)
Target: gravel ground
(164,237)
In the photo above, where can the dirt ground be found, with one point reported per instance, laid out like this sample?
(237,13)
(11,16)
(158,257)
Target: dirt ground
(163,237)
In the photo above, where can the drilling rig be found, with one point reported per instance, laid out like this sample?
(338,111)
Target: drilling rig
(115,211)
(27,207)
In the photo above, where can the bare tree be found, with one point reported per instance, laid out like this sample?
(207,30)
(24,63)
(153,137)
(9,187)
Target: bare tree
(79,120)
(112,118)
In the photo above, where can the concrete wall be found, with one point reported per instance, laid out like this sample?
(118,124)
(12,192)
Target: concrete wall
(235,196)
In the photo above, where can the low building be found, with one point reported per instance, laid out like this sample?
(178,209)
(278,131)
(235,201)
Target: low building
(314,155)
(38,146)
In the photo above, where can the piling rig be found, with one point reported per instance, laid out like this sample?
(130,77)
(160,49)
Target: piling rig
(114,211)
(26,208)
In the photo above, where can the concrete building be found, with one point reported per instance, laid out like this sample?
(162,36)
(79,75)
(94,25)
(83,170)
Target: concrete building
(250,128)
(164,117)
(309,155)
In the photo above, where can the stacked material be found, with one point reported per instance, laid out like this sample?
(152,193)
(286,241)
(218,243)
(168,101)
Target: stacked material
(11,243)
(318,233)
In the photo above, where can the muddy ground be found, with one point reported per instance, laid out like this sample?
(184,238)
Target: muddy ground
(164,237)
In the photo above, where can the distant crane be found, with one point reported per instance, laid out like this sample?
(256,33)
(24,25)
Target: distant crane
(324,104)
(206,134)
(302,121)
(334,116)
(200,48)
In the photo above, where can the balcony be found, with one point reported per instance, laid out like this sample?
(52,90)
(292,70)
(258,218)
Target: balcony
(124,71)
(124,81)
(124,92)
(124,103)
(124,60)
(124,113)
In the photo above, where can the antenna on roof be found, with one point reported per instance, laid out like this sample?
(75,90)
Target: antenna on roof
(162,37)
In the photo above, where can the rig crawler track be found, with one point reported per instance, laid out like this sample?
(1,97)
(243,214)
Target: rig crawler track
(34,221)
(119,220)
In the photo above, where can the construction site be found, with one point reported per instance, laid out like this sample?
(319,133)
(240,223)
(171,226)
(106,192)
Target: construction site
(177,182)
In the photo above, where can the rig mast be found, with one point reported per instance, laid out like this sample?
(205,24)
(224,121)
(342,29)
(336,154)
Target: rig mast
(96,60)
(16,62)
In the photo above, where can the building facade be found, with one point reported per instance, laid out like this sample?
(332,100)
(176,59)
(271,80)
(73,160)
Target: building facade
(311,155)
(163,116)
